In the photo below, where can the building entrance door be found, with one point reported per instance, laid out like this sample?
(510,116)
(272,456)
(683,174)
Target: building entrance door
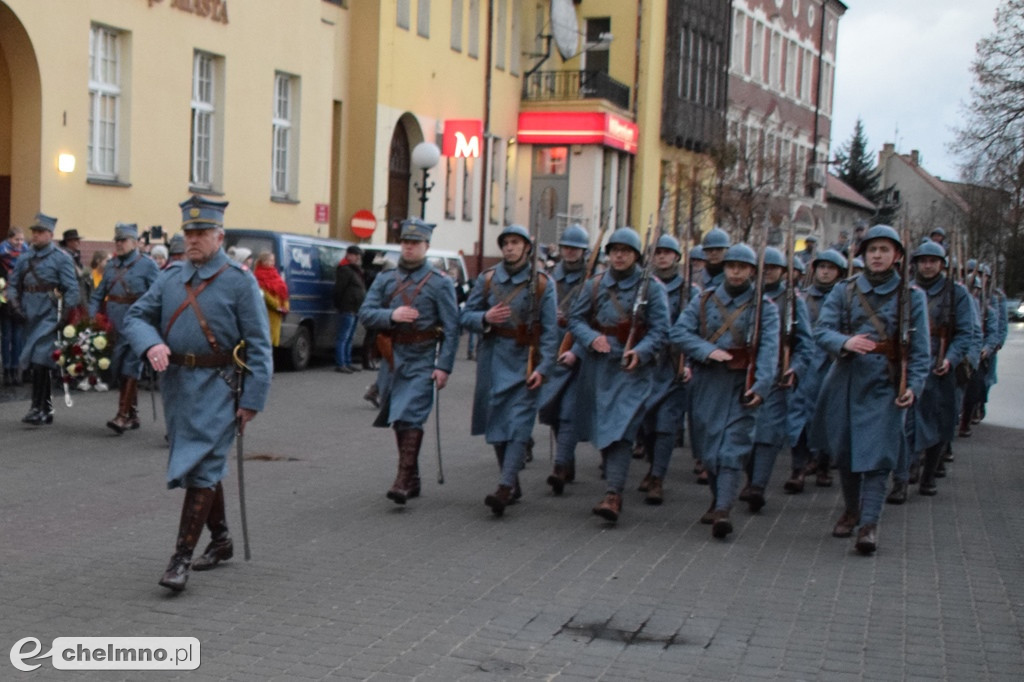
(398,182)
(549,192)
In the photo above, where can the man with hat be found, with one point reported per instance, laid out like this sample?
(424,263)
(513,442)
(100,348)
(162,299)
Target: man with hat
(43,289)
(414,310)
(175,250)
(713,332)
(807,254)
(938,235)
(860,413)
(72,242)
(621,358)
(125,278)
(713,249)
(513,308)
(349,292)
(203,324)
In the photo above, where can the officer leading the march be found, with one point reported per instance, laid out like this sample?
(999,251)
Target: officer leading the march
(43,275)
(191,326)
(125,278)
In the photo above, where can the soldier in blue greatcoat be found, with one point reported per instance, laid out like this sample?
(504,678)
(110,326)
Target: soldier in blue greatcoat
(987,342)
(43,282)
(514,309)
(772,431)
(666,405)
(618,368)
(716,242)
(860,414)
(416,315)
(125,278)
(827,268)
(196,324)
(716,332)
(559,393)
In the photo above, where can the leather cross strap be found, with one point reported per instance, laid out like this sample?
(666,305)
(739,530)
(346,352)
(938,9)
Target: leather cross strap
(190,301)
(872,316)
(41,285)
(400,291)
(121,272)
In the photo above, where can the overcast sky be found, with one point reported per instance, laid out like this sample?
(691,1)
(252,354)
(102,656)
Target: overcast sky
(903,67)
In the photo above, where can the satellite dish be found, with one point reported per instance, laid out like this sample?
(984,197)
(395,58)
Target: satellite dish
(564,28)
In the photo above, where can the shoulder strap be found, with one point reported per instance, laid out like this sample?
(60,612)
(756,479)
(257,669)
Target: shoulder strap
(190,301)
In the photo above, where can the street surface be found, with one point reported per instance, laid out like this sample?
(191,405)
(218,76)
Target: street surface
(344,584)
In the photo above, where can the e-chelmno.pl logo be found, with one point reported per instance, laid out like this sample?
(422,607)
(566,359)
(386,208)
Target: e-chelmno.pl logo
(109,653)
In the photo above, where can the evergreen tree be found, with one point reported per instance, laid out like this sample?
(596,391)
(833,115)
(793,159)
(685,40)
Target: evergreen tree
(856,166)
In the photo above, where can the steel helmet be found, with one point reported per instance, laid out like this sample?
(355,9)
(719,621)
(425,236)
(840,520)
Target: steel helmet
(716,238)
(880,232)
(830,256)
(799,266)
(986,270)
(773,256)
(667,241)
(929,248)
(626,236)
(741,253)
(697,253)
(575,236)
(517,230)
(858,262)
(972,265)
(939,231)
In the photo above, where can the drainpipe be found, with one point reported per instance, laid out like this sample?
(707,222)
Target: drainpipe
(487,141)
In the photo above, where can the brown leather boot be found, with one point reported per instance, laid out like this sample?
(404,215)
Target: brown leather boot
(867,539)
(721,526)
(795,484)
(499,499)
(122,422)
(610,507)
(558,478)
(194,511)
(407,482)
(132,401)
(220,548)
(655,491)
(645,483)
(845,525)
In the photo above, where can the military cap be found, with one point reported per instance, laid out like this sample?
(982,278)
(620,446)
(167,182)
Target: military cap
(43,222)
(416,230)
(126,231)
(198,213)
(176,245)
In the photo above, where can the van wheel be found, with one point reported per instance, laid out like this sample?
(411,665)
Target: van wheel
(301,350)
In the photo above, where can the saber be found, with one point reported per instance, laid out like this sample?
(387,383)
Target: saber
(152,388)
(64,381)
(437,418)
(240,370)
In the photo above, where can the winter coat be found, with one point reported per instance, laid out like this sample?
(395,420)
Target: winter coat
(37,274)
(125,279)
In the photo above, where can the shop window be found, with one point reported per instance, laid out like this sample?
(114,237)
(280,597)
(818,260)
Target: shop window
(551,161)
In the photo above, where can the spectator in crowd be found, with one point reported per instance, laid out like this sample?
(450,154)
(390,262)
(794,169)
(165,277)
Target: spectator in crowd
(349,292)
(275,293)
(11,323)
(159,254)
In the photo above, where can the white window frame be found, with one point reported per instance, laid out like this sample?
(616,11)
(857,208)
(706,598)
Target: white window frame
(284,139)
(104,102)
(792,53)
(805,76)
(203,157)
(757,52)
(456,39)
(739,43)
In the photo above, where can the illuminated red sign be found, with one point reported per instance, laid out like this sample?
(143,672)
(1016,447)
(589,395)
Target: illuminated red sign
(575,127)
(462,137)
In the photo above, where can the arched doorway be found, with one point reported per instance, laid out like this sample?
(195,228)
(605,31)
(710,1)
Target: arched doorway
(20,124)
(407,135)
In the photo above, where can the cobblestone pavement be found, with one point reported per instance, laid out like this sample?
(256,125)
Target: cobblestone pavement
(344,584)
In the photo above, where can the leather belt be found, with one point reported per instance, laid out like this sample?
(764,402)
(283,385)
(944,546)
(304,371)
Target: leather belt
(123,299)
(209,360)
(505,332)
(740,358)
(418,336)
(886,348)
(39,288)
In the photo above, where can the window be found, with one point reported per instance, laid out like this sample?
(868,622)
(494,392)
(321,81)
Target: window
(493,208)
(775,62)
(450,164)
(467,188)
(402,14)
(805,76)
(423,18)
(457,25)
(513,57)
(757,53)
(509,172)
(791,57)
(283,155)
(204,113)
(596,56)
(473,41)
(500,34)
(739,45)
(104,102)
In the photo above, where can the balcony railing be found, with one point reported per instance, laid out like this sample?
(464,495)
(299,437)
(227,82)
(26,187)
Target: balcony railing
(566,85)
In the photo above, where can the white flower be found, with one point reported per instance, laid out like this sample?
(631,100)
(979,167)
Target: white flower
(69,331)
(103,363)
(99,342)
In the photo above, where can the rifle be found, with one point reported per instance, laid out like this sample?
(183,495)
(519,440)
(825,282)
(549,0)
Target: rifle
(437,409)
(567,339)
(903,319)
(238,355)
(788,311)
(949,323)
(684,296)
(641,292)
(754,333)
(532,323)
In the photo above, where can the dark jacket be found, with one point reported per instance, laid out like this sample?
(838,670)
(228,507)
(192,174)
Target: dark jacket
(349,287)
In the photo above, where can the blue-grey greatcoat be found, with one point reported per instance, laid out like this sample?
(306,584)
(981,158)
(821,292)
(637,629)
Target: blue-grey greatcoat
(856,421)
(558,393)
(936,410)
(723,430)
(666,405)
(125,279)
(503,409)
(805,397)
(199,403)
(37,272)
(773,416)
(999,309)
(409,395)
(610,405)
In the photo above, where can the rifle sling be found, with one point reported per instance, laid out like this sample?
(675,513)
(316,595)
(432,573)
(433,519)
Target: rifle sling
(190,302)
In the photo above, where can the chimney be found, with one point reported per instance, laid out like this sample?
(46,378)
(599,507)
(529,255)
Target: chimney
(914,157)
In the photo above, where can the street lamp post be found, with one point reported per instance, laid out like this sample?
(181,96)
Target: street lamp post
(425,156)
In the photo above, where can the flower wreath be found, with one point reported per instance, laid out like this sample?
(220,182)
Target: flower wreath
(83,350)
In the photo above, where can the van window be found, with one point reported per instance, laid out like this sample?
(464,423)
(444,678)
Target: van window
(329,257)
(255,244)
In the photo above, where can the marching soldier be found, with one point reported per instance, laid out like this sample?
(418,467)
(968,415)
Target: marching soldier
(558,394)
(197,324)
(716,332)
(414,310)
(514,310)
(125,278)
(987,342)
(826,270)
(43,288)
(772,430)
(860,413)
(951,324)
(713,248)
(618,370)
(666,405)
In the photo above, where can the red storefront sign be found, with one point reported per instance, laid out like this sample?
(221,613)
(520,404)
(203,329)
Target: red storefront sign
(462,137)
(576,127)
